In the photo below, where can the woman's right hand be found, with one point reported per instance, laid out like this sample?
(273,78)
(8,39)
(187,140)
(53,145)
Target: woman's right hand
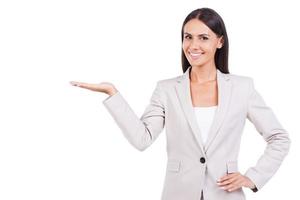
(104,87)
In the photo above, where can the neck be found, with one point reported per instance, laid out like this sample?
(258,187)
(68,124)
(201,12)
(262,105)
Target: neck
(200,74)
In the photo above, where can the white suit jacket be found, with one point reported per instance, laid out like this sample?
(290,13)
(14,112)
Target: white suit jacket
(193,168)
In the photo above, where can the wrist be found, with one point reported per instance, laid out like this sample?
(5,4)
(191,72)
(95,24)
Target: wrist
(252,185)
(254,189)
(112,92)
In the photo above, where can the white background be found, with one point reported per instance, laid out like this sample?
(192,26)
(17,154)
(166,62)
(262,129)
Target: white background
(59,142)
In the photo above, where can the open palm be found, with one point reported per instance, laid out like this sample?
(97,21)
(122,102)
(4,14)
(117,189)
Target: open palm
(105,87)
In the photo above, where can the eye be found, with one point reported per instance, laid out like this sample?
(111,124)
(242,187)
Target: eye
(204,38)
(187,37)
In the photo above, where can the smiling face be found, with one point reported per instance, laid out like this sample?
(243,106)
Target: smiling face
(200,43)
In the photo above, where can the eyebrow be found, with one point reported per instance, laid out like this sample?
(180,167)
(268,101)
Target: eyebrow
(203,34)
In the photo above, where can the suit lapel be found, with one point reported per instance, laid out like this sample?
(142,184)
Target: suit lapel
(184,95)
(224,94)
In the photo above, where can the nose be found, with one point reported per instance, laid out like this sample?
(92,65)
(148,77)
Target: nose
(195,44)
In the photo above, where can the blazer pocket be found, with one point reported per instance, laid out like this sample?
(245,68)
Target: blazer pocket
(232,167)
(173,165)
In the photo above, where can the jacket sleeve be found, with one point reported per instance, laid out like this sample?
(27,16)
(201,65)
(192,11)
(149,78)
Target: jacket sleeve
(276,137)
(140,132)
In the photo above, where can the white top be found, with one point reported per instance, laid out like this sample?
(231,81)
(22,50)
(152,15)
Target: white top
(204,117)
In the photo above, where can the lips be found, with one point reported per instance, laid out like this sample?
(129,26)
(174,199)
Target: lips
(195,55)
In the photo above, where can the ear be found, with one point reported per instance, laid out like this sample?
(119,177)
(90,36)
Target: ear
(220,42)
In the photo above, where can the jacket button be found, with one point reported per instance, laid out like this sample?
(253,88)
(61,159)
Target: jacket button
(202,160)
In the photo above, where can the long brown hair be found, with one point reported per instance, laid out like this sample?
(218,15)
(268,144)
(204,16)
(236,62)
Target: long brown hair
(214,21)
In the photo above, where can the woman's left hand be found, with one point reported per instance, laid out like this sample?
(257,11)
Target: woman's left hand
(234,181)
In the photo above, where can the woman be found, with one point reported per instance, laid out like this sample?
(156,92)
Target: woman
(204,111)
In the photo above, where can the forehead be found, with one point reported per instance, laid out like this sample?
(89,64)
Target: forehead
(195,27)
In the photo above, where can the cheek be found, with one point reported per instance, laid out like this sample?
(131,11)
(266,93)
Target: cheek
(209,48)
(185,45)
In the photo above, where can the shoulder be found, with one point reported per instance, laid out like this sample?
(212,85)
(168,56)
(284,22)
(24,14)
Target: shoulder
(242,84)
(169,82)
(240,79)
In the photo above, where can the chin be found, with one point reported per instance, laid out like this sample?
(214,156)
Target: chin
(195,63)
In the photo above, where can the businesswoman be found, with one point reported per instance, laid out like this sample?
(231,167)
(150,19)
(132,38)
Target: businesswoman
(204,112)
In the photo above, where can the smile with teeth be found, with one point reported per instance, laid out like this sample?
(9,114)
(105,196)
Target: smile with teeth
(195,56)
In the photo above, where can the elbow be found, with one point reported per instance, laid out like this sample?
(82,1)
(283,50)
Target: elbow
(286,141)
(140,146)
(280,141)
(288,144)
(143,143)
(141,139)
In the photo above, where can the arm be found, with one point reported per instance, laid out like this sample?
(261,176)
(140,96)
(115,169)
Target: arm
(140,132)
(278,142)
